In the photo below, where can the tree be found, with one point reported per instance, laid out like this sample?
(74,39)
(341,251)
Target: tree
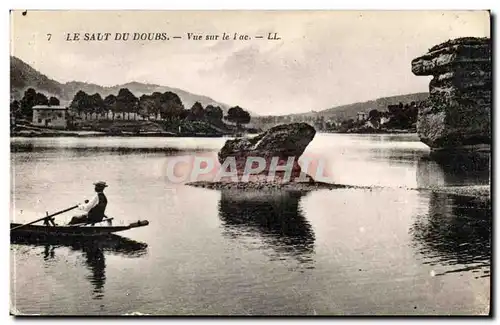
(238,115)
(15,109)
(171,106)
(168,105)
(126,101)
(346,125)
(374,115)
(81,102)
(147,105)
(403,116)
(197,112)
(97,103)
(53,101)
(214,113)
(31,98)
(412,114)
(27,103)
(41,99)
(393,109)
(184,114)
(110,102)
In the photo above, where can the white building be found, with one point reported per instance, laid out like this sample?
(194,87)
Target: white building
(362,116)
(50,116)
(384,120)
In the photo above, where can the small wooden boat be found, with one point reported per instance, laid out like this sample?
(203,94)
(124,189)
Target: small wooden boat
(70,230)
(51,229)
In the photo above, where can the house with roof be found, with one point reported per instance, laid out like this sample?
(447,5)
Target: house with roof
(50,116)
(362,116)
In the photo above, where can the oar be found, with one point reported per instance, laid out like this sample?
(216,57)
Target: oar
(46,217)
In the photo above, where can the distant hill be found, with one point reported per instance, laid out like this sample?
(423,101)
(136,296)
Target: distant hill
(339,113)
(346,112)
(350,111)
(23,76)
(139,89)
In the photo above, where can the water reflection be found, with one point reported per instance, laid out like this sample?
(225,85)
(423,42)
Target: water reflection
(86,150)
(442,169)
(274,217)
(119,144)
(92,250)
(456,232)
(94,259)
(396,155)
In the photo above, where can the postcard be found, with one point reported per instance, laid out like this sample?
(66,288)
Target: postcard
(256,163)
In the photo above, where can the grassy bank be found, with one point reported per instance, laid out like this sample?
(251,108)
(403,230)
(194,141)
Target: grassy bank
(127,128)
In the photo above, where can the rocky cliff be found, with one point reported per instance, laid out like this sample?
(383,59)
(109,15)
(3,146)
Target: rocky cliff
(458,112)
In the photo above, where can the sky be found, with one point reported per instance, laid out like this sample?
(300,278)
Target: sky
(322,59)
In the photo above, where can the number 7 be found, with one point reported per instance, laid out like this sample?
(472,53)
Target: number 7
(49,36)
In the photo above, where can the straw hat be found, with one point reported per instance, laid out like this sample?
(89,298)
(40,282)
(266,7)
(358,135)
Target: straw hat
(101,184)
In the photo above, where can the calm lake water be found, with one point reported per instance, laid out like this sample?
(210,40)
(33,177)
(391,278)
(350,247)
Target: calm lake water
(385,250)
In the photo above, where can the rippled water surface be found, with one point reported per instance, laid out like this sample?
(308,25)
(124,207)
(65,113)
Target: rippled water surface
(385,250)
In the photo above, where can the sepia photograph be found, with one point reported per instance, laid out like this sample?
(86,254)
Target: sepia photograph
(250,163)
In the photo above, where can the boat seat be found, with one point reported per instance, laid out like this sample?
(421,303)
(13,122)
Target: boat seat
(92,223)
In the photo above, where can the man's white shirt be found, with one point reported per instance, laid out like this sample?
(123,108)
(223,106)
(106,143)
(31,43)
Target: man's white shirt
(87,206)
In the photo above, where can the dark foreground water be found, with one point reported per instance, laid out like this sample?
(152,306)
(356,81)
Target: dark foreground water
(385,250)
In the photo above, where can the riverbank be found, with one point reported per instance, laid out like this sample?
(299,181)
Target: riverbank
(127,129)
(83,134)
(373,131)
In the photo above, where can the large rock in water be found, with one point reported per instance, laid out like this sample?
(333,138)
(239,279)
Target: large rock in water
(282,141)
(458,112)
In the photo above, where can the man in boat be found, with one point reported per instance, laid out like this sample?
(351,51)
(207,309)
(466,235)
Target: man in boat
(95,208)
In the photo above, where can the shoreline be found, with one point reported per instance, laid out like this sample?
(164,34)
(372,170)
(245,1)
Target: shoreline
(477,191)
(376,132)
(92,134)
(123,135)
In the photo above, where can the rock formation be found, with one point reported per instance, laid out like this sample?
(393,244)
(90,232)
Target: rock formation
(283,142)
(458,111)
